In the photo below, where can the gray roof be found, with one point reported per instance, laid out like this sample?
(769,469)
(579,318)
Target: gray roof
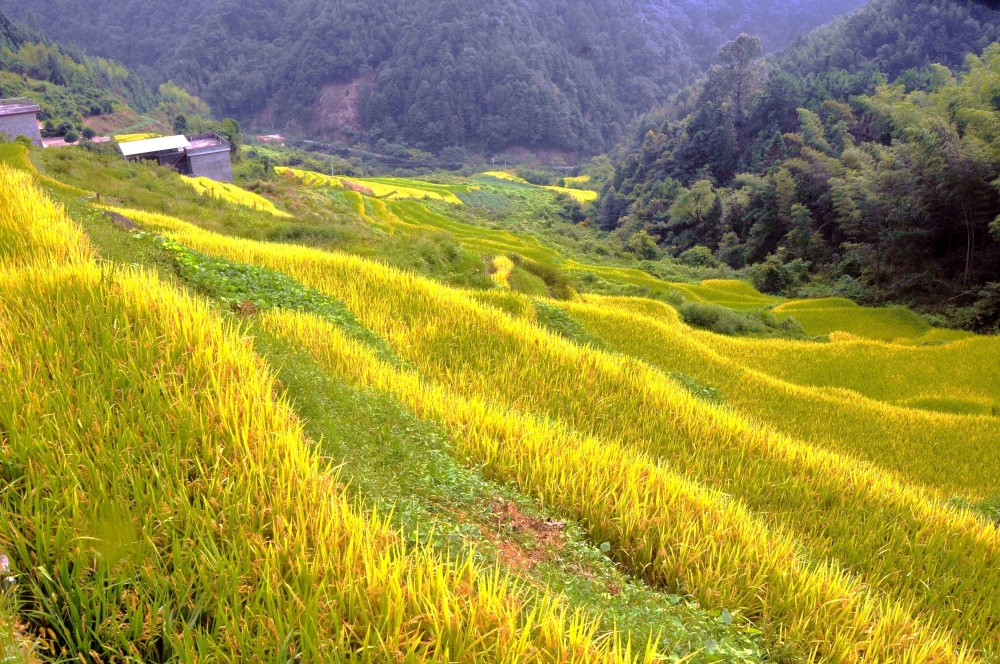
(18,106)
(153,145)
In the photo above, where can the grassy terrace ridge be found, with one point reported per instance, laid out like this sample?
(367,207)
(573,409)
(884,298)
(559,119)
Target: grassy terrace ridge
(579,468)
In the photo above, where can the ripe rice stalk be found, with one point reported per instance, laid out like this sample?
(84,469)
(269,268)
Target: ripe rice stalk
(896,537)
(160,502)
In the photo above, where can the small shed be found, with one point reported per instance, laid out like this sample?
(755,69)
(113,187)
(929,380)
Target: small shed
(198,155)
(19,117)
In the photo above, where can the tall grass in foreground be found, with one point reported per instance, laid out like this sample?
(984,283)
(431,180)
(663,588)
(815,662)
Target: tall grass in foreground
(158,503)
(52,239)
(664,527)
(15,646)
(899,539)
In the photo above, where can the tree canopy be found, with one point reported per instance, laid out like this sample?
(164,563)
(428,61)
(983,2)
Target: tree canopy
(891,190)
(68,84)
(472,73)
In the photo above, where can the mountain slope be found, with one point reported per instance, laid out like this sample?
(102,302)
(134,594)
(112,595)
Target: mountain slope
(479,74)
(68,85)
(887,190)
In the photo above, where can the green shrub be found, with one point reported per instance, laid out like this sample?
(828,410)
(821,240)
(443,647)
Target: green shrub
(698,256)
(536,177)
(644,246)
(775,277)
(991,508)
(719,319)
(555,281)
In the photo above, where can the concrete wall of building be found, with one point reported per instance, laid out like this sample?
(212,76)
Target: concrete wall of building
(214,165)
(22,124)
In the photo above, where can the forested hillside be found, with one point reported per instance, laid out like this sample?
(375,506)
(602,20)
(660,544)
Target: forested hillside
(477,74)
(69,85)
(857,155)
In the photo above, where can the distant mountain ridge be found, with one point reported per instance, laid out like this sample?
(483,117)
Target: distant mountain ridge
(476,74)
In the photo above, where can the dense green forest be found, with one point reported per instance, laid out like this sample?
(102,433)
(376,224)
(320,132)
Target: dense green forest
(868,154)
(69,85)
(477,74)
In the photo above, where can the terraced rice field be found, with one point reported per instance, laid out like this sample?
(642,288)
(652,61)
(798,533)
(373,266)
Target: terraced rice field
(382,188)
(580,195)
(821,501)
(234,194)
(232,540)
(829,502)
(502,268)
(824,316)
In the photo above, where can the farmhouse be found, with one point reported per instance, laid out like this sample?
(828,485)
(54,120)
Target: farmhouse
(19,117)
(199,155)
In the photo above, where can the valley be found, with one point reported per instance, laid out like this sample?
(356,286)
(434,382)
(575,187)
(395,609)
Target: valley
(624,332)
(657,477)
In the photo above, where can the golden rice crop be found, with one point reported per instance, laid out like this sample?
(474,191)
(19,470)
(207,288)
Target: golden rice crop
(310,178)
(896,537)
(413,216)
(826,315)
(894,373)
(233,194)
(952,453)
(502,268)
(662,525)
(581,195)
(57,241)
(234,521)
(379,187)
(373,211)
(159,502)
(501,175)
(736,295)
(357,202)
